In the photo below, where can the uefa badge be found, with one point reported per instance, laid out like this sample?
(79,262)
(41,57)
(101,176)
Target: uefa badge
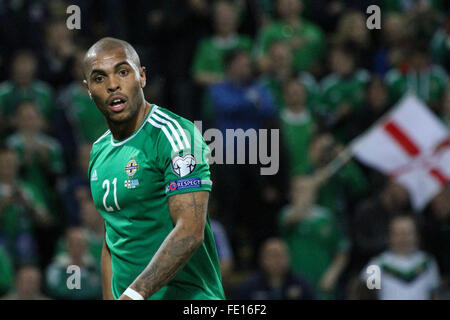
(130,169)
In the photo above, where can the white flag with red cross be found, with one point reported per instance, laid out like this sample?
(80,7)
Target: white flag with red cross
(411,145)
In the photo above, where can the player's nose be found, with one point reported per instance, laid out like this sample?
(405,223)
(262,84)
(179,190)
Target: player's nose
(113,86)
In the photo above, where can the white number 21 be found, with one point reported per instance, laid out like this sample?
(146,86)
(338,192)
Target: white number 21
(106,185)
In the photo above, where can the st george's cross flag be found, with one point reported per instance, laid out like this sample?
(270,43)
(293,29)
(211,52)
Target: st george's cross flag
(411,145)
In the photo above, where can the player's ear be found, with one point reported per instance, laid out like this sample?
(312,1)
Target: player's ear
(85,84)
(142,77)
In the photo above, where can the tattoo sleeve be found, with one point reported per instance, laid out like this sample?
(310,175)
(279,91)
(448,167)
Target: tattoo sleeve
(188,212)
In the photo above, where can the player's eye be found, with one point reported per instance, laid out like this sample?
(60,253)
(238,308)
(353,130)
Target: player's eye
(98,79)
(123,72)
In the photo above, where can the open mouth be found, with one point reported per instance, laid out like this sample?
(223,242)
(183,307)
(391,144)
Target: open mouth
(117,104)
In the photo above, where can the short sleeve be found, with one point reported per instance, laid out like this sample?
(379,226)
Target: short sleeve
(184,159)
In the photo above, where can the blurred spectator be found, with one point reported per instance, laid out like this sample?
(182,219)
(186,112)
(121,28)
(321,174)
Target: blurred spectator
(6,273)
(242,103)
(297,126)
(418,75)
(395,40)
(20,206)
(56,56)
(208,66)
(39,155)
(352,31)
(376,104)
(436,232)
(407,273)
(91,222)
(23,86)
(372,216)
(86,121)
(77,254)
(279,71)
(28,285)
(317,247)
(346,187)
(305,38)
(274,280)
(239,101)
(75,187)
(342,93)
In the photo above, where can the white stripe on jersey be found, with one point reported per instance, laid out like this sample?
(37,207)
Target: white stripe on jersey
(183,134)
(102,136)
(174,132)
(163,128)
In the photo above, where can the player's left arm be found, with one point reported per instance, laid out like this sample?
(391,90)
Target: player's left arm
(188,212)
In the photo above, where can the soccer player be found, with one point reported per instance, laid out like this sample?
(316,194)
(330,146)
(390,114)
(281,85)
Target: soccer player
(150,181)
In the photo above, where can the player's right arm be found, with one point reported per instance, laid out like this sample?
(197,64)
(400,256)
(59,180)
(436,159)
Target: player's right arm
(106,270)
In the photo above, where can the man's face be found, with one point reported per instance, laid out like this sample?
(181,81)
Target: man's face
(28,118)
(402,236)
(275,258)
(341,63)
(280,56)
(115,84)
(241,68)
(225,18)
(294,95)
(28,282)
(288,8)
(23,69)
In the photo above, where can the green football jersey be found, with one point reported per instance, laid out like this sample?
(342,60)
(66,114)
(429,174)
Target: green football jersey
(130,182)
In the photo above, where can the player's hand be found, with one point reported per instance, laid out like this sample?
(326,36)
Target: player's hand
(124,297)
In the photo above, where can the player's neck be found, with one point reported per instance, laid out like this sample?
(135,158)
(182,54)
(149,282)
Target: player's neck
(124,130)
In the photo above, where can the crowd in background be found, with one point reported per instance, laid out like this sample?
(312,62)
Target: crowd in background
(311,68)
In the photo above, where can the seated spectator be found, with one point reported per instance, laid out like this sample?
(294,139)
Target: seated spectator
(342,94)
(28,285)
(297,126)
(305,38)
(6,273)
(275,280)
(371,219)
(407,273)
(39,155)
(24,86)
(20,208)
(317,246)
(209,61)
(420,76)
(77,254)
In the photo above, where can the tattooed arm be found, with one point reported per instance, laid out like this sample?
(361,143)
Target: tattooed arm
(188,213)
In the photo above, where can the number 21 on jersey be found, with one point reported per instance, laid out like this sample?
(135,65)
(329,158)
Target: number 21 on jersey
(106,185)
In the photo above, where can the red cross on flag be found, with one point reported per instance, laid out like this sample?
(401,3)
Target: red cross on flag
(410,144)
